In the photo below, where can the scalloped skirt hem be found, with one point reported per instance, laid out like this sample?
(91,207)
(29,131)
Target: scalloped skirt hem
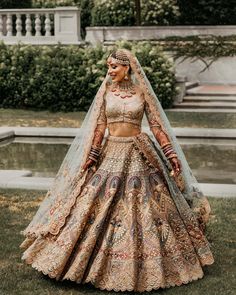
(127,231)
(195,278)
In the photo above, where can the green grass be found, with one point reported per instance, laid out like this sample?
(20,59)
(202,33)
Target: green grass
(202,120)
(17,207)
(25,118)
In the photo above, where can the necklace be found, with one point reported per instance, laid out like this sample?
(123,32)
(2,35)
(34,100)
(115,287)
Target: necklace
(124,89)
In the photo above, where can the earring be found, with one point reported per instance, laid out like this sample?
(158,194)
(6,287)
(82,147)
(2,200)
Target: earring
(126,78)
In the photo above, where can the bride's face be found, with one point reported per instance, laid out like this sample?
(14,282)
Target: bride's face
(116,70)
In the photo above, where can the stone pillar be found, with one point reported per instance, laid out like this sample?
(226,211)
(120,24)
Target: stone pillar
(4,23)
(180,83)
(67,25)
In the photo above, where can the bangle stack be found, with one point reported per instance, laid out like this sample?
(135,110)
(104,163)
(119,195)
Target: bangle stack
(168,150)
(94,153)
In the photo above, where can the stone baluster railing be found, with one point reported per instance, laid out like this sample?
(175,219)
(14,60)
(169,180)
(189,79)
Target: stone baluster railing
(40,26)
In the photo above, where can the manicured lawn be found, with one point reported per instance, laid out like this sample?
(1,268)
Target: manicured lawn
(23,118)
(17,208)
(202,120)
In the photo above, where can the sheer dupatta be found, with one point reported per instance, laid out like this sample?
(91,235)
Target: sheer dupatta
(60,198)
(191,189)
(67,185)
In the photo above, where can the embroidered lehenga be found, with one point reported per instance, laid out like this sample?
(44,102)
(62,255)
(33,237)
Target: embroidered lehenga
(127,224)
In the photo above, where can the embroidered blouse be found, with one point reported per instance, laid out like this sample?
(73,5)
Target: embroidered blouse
(130,110)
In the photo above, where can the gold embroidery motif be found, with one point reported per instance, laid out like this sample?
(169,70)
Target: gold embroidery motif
(124,110)
(124,231)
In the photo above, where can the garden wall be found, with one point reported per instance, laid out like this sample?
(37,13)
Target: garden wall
(112,34)
(221,71)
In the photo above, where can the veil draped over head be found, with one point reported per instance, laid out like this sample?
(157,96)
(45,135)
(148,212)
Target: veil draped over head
(69,181)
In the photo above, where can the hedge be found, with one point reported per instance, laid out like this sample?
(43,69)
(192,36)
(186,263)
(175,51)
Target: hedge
(58,78)
(164,12)
(122,13)
(15,4)
(207,12)
(113,13)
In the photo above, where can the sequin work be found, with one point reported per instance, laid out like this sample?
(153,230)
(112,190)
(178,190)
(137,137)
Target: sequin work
(124,232)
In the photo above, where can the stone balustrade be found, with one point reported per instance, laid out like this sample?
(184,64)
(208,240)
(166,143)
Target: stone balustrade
(40,26)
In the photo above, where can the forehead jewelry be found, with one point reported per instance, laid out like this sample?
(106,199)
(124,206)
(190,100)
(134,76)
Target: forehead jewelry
(120,57)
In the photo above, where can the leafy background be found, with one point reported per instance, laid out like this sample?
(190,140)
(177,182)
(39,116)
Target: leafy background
(66,78)
(162,12)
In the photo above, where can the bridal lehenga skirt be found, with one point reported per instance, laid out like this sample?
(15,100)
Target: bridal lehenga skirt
(125,231)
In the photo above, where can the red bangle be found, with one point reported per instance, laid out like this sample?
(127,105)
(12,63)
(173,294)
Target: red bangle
(172,156)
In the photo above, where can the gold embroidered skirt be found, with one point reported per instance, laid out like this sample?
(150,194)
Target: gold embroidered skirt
(124,231)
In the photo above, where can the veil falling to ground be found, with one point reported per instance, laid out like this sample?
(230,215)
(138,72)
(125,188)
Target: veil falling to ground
(52,213)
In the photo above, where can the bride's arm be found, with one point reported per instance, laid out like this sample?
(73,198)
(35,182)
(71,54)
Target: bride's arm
(97,139)
(162,139)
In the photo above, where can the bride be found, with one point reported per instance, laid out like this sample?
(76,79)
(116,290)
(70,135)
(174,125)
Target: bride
(124,211)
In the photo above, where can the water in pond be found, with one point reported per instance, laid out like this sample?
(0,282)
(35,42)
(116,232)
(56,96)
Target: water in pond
(211,161)
(42,158)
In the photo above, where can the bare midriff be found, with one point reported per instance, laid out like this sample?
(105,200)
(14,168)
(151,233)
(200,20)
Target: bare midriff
(123,129)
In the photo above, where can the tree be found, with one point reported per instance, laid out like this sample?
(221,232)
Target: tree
(137,12)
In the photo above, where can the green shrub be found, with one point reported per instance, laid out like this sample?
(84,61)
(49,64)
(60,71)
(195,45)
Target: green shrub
(162,12)
(60,78)
(14,4)
(53,78)
(113,12)
(207,12)
(122,13)
(52,3)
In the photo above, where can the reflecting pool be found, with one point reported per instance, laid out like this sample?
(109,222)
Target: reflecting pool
(211,161)
(42,156)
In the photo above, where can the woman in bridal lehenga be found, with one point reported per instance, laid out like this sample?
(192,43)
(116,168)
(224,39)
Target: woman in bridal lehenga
(125,211)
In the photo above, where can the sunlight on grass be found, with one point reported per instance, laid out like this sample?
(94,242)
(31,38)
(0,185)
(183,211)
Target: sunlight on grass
(18,207)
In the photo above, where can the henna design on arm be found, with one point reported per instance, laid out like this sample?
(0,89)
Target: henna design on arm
(155,126)
(97,139)
(98,135)
(162,138)
(101,127)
